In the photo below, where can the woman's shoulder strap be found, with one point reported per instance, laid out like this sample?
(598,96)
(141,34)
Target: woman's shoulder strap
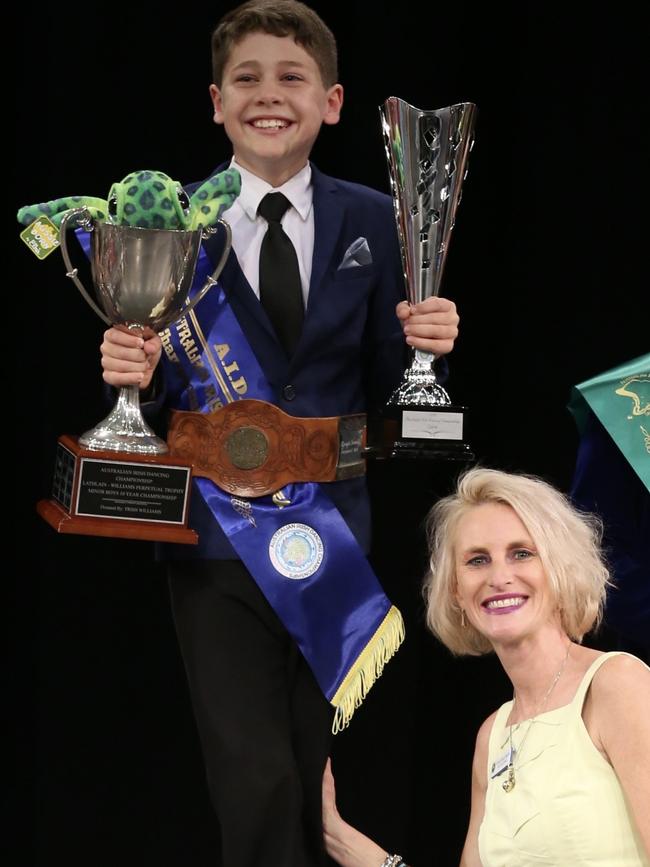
(589,675)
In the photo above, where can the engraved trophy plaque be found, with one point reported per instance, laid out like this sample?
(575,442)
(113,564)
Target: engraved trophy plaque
(427,155)
(117,479)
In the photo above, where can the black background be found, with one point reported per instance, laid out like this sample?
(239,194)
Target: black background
(547,267)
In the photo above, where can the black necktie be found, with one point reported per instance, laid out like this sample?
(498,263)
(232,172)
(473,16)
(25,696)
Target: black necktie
(280,287)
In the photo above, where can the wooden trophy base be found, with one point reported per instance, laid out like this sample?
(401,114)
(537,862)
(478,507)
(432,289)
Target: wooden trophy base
(119,495)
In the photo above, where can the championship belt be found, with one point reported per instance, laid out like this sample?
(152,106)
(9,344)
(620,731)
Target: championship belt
(258,471)
(251,448)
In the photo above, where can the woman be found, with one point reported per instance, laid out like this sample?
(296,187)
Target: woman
(561,773)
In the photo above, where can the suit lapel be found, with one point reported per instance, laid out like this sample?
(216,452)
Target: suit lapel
(236,286)
(252,319)
(328,220)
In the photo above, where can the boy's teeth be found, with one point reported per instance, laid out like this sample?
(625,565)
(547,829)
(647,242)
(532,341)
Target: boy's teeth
(265,124)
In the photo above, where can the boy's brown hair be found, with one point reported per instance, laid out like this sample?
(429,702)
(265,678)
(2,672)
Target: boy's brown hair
(279,18)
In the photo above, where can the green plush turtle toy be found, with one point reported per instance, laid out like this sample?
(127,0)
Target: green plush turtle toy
(148,200)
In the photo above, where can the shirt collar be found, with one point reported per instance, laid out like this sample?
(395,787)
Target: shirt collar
(297,189)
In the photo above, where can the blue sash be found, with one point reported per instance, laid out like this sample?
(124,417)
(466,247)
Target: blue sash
(295,544)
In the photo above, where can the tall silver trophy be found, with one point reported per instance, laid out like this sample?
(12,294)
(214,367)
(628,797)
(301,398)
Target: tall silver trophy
(427,154)
(117,478)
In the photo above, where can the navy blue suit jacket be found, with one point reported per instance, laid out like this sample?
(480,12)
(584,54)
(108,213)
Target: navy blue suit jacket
(351,353)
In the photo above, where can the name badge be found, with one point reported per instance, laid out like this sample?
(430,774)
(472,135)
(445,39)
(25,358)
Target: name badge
(500,765)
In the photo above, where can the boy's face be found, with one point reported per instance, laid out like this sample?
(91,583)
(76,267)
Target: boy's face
(272,102)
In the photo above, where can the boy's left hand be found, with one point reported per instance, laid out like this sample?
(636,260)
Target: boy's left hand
(431,325)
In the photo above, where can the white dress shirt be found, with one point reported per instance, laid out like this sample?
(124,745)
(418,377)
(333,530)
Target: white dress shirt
(248,229)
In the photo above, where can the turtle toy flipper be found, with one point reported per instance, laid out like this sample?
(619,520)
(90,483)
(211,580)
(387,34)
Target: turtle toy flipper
(148,199)
(56,209)
(213,197)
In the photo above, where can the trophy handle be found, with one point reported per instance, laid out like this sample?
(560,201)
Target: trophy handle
(212,279)
(80,217)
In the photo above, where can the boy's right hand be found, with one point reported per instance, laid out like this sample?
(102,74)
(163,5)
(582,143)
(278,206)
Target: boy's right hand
(129,358)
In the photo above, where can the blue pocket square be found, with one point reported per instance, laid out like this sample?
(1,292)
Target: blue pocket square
(358,253)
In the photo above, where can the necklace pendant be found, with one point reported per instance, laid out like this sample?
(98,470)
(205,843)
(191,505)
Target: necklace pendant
(509,784)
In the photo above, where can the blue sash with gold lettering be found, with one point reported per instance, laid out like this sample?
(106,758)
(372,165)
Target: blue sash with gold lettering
(298,547)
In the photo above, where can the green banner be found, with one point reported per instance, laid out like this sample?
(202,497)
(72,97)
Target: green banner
(620,398)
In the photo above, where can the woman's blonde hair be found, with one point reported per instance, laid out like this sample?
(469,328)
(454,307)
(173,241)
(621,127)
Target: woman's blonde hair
(567,541)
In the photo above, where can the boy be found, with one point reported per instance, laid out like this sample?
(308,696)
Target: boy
(263,720)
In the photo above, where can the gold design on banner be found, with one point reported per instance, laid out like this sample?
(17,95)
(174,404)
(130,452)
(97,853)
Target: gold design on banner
(240,385)
(165,337)
(280,499)
(193,353)
(640,404)
(200,354)
(646,438)
(188,343)
(208,356)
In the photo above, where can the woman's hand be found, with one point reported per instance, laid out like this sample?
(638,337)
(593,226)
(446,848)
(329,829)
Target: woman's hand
(347,846)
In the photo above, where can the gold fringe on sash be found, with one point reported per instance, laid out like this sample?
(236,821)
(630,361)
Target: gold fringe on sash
(367,668)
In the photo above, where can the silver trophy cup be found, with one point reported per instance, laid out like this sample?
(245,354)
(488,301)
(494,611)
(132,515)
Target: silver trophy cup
(142,279)
(427,155)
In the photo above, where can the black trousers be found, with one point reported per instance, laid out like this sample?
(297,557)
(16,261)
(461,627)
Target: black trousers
(264,724)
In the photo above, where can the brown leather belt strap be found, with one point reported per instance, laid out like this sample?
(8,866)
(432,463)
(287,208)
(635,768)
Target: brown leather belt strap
(251,448)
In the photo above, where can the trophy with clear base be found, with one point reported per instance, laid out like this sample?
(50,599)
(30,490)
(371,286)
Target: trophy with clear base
(427,155)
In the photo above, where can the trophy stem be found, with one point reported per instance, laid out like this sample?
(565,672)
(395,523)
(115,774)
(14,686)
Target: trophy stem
(420,386)
(124,429)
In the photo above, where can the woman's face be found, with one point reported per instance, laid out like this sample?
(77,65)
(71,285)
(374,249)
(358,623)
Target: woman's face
(501,584)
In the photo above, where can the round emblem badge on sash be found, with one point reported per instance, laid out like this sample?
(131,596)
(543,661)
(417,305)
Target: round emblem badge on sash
(296,551)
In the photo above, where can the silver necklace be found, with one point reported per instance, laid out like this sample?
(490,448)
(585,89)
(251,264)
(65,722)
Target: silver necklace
(509,783)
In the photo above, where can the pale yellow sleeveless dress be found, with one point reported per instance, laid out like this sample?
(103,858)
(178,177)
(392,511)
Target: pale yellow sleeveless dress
(567,807)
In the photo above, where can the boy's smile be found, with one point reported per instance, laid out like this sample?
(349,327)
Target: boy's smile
(272,102)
